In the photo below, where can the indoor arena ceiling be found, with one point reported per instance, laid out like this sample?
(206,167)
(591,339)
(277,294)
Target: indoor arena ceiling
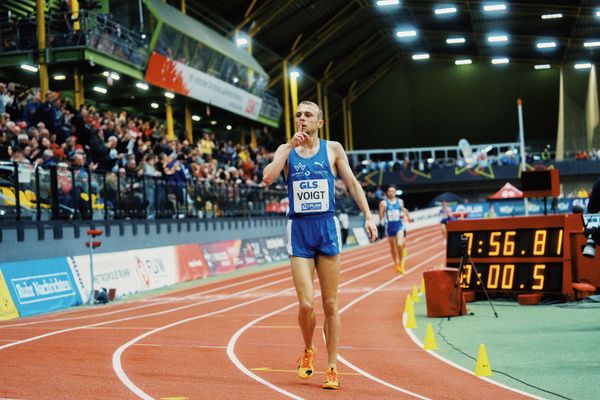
(347,41)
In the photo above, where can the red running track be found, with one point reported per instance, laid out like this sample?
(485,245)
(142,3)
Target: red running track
(238,339)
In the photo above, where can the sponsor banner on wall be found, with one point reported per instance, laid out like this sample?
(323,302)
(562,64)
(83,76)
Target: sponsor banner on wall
(267,250)
(8,310)
(190,262)
(510,208)
(180,78)
(111,270)
(40,286)
(155,267)
(361,236)
(222,257)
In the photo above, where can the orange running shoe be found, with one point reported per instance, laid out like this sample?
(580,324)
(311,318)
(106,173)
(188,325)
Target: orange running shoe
(305,364)
(331,379)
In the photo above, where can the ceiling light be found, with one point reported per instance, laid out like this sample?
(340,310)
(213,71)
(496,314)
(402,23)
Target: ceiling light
(196,118)
(115,76)
(383,3)
(60,77)
(241,41)
(502,60)
(236,79)
(154,105)
(542,66)
(591,44)
(405,34)
(494,7)
(497,38)
(229,127)
(169,95)
(143,36)
(100,89)
(583,66)
(141,85)
(106,73)
(294,74)
(445,10)
(420,56)
(552,16)
(597,13)
(455,40)
(463,61)
(545,45)
(213,122)
(29,68)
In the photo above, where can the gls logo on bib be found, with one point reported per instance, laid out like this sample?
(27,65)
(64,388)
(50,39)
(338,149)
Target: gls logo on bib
(311,195)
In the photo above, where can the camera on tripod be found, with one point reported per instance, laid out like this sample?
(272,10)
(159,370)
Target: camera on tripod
(592,232)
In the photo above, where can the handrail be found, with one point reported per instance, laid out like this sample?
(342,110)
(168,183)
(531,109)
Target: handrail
(66,193)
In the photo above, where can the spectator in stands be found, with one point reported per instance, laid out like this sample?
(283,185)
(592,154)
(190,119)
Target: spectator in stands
(207,145)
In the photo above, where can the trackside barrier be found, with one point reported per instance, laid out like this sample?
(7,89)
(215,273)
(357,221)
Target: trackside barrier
(41,286)
(424,218)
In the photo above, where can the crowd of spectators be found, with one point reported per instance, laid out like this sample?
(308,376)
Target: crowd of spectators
(48,131)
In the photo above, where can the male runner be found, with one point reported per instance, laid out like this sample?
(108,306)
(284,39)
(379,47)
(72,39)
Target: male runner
(393,209)
(314,241)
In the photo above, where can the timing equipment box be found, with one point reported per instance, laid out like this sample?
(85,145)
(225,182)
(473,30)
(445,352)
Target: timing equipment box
(439,284)
(540,183)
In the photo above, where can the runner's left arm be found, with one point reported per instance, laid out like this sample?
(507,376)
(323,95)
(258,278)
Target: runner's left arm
(356,191)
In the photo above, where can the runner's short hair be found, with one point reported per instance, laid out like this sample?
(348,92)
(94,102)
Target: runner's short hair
(312,104)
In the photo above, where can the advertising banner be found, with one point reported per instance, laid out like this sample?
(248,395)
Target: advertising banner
(40,286)
(190,262)
(267,250)
(361,236)
(510,208)
(111,270)
(180,78)
(222,257)
(8,310)
(155,267)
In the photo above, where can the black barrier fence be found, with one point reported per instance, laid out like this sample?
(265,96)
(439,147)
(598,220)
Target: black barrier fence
(66,193)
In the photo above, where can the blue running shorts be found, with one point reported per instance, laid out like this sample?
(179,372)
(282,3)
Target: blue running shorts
(312,236)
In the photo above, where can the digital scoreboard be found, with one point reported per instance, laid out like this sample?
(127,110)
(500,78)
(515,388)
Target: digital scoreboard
(515,255)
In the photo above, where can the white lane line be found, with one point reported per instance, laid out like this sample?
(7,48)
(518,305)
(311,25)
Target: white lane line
(168,311)
(235,337)
(414,338)
(284,271)
(118,367)
(364,296)
(116,360)
(180,345)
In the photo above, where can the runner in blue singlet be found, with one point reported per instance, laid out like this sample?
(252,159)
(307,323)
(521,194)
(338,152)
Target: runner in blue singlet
(393,209)
(310,166)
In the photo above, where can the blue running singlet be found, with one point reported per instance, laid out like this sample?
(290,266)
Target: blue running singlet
(313,228)
(393,215)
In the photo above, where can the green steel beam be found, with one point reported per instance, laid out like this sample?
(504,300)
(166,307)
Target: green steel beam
(113,65)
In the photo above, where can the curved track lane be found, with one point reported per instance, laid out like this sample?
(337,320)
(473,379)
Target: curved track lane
(237,338)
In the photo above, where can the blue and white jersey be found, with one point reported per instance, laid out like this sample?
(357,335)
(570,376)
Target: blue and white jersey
(310,184)
(393,212)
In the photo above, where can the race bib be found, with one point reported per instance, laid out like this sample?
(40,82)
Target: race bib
(393,215)
(311,195)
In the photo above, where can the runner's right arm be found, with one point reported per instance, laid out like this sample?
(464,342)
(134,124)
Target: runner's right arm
(274,168)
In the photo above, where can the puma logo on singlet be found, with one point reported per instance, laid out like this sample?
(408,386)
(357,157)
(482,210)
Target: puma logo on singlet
(320,164)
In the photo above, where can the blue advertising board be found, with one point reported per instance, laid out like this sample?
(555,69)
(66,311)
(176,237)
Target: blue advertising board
(40,286)
(511,208)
